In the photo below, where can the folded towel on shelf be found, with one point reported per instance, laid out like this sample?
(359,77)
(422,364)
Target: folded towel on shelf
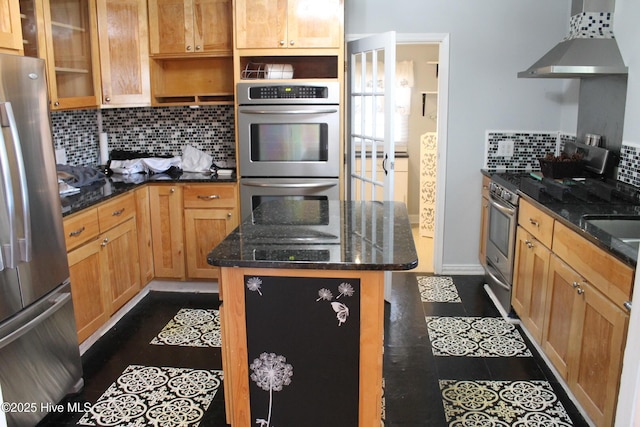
(79,176)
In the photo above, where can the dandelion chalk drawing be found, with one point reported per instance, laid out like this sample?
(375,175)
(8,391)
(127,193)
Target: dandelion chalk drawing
(253,284)
(342,311)
(271,373)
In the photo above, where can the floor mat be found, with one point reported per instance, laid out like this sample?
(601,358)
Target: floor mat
(502,404)
(192,328)
(475,337)
(437,289)
(159,396)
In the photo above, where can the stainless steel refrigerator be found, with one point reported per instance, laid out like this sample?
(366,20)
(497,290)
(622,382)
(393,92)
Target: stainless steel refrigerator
(39,355)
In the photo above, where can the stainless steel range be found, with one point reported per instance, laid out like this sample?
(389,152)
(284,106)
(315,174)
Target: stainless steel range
(501,236)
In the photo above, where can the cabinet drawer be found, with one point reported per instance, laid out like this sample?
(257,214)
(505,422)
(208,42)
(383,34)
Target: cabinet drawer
(80,228)
(536,222)
(209,196)
(609,275)
(116,211)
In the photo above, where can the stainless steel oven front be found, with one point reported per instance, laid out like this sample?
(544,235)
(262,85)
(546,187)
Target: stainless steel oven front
(255,191)
(288,130)
(500,240)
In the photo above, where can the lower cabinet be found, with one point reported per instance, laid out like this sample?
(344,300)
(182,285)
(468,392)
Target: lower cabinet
(104,276)
(167,236)
(584,339)
(529,292)
(187,222)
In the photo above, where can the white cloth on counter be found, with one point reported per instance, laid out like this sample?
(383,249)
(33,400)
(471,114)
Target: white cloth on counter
(65,189)
(194,160)
(146,165)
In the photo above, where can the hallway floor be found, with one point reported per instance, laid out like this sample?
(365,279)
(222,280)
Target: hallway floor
(453,363)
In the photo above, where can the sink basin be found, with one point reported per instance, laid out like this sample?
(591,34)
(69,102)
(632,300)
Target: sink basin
(622,227)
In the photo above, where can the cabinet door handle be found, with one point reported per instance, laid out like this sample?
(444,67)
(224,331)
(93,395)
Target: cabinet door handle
(118,212)
(281,42)
(173,190)
(229,215)
(189,47)
(575,284)
(211,197)
(627,305)
(528,243)
(197,47)
(580,291)
(534,222)
(76,232)
(292,42)
(104,242)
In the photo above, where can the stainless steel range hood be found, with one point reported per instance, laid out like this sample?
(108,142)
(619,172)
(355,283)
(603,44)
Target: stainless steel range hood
(589,50)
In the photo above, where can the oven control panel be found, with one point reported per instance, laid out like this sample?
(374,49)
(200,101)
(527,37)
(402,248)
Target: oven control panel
(256,93)
(287,92)
(502,193)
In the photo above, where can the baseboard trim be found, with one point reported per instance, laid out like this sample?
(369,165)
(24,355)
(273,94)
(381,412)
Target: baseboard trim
(463,269)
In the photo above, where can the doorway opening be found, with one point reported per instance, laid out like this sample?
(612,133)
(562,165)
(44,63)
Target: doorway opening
(416,151)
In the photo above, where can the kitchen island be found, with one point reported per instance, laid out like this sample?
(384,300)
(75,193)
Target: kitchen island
(302,314)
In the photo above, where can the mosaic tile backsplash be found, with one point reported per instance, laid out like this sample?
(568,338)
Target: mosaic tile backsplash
(629,167)
(527,148)
(158,130)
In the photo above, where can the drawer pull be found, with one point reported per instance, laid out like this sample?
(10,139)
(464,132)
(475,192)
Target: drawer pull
(104,242)
(211,197)
(528,243)
(580,291)
(118,212)
(534,222)
(575,284)
(76,233)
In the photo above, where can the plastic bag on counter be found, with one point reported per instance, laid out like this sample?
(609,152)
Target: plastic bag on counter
(194,160)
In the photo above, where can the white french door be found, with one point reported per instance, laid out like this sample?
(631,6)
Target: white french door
(370,141)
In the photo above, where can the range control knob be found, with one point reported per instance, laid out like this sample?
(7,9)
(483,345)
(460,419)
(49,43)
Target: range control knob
(507,195)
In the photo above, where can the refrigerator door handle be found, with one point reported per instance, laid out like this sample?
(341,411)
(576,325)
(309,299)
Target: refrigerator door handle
(7,119)
(58,303)
(7,247)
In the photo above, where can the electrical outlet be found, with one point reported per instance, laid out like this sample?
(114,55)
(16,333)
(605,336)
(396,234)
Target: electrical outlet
(505,148)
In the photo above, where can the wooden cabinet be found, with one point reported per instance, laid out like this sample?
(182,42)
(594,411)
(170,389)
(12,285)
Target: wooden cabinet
(103,261)
(191,52)
(124,52)
(289,24)
(570,295)
(190,26)
(210,214)
(165,204)
(530,282)
(10,30)
(143,225)
(584,338)
(69,46)
(484,221)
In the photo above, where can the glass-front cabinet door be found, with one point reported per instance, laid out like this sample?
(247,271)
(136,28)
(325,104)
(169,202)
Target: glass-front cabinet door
(64,33)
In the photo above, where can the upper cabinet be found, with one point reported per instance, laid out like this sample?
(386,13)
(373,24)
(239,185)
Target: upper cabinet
(124,52)
(181,27)
(10,31)
(64,33)
(298,24)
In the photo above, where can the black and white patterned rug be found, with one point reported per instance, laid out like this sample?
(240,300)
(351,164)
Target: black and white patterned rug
(502,404)
(437,289)
(155,396)
(193,328)
(475,337)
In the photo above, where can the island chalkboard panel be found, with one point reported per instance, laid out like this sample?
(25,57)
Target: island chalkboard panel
(303,340)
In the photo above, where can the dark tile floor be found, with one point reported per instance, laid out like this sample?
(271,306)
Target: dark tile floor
(412,394)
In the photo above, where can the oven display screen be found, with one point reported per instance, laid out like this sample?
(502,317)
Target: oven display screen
(289,142)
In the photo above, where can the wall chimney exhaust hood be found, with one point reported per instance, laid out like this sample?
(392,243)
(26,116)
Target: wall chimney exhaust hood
(590,49)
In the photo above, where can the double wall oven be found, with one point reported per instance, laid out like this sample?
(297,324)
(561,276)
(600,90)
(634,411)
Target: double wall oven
(288,142)
(501,237)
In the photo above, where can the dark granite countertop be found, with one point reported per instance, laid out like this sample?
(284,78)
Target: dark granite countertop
(116,185)
(334,235)
(568,201)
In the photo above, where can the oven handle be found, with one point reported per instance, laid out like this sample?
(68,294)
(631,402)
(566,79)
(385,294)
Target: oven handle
(497,279)
(289,185)
(330,111)
(502,208)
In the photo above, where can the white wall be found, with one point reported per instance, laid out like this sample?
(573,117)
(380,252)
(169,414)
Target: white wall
(490,41)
